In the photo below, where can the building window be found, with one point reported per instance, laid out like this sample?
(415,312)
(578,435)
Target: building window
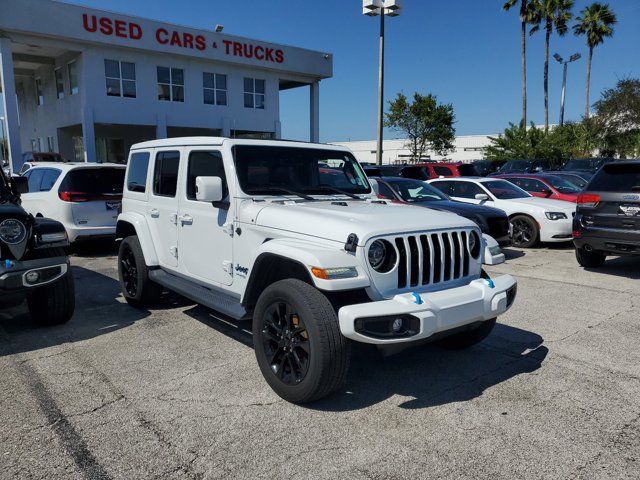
(59,83)
(41,145)
(51,146)
(34,144)
(73,77)
(254,93)
(215,88)
(170,84)
(120,78)
(39,93)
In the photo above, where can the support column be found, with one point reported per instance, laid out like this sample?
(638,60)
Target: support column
(314,112)
(226,127)
(10,103)
(161,126)
(88,135)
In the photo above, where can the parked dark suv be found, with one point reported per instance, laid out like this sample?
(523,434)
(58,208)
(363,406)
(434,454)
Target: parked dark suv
(33,265)
(607,220)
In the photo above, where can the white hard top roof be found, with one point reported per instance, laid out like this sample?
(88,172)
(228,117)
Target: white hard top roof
(218,141)
(73,165)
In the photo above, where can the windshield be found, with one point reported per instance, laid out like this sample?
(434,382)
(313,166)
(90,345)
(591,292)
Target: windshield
(263,169)
(416,191)
(503,190)
(562,185)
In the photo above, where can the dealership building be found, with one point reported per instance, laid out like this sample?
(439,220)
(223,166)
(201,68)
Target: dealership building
(90,83)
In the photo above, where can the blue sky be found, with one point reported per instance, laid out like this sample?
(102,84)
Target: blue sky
(467,52)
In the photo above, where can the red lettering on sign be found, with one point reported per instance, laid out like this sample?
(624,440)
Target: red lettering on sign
(259,52)
(105,26)
(175,39)
(188,40)
(161,36)
(279,56)
(269,54)
(121,29)
(135,31)
(85,23)
(248,50)
(227,44)
(201,42)
(237,49)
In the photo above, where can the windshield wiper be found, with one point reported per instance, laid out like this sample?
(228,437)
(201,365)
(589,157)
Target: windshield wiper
(281,190)
(329,188)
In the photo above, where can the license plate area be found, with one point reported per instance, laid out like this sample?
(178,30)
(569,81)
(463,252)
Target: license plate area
(114,206)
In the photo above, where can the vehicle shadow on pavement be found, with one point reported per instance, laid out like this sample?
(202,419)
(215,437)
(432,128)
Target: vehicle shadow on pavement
(620,267)
(99,310)
(94,248)
(511,254)
(431,376)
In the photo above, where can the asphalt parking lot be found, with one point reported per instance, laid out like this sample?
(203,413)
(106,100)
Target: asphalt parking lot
(176,393)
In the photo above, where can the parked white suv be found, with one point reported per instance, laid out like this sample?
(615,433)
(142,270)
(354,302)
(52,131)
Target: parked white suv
(85,197)
(287,234)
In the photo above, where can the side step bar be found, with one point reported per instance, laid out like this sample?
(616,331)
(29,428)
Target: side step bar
(204,296)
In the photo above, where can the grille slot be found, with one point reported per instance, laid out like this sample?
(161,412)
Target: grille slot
(432,258)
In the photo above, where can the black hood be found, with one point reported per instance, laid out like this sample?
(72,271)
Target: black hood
(461,208)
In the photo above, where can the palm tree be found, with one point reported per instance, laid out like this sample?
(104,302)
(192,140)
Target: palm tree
(525,16)
(553,14)
(596,23)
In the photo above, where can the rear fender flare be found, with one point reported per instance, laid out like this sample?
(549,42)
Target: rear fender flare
(139,224)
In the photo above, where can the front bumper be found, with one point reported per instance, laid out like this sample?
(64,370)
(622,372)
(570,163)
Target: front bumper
(15,276)
(556,231)
(429,313)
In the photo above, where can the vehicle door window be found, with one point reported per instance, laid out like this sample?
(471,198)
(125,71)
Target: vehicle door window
(138,168)
(536,186)
(24,168)
(205,164)
(35,179)
(521,182)
(165,176)
(466,190)
(385,191)
(445,187)
(442,171)
(49,178)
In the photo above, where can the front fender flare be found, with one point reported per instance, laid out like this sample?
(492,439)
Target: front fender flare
(144,236)
(311,254)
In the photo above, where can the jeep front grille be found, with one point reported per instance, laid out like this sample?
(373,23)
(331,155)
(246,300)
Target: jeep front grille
(432,258)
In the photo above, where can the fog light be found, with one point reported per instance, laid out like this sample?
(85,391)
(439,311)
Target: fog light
(397,324)
(32,277)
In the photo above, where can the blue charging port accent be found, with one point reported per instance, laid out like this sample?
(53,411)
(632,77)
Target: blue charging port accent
(417,298)
(490,283)
(8,264)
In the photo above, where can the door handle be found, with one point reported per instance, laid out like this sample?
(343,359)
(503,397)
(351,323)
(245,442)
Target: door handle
(154,212)
(185,219)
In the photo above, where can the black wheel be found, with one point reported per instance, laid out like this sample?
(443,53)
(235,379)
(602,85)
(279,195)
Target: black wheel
(299,347)
(55,303)
(525,231)
(138,290)
(461,340)
(590,259)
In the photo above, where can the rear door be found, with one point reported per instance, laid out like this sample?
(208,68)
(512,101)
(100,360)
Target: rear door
(95,194)
(618,187)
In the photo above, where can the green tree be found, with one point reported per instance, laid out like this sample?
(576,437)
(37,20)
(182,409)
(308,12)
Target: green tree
(525,13)
(517,143)
(618,113)
(595,23)
(551,14)
(425,123)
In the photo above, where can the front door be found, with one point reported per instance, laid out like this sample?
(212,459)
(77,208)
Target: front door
(205,230)
(162,208)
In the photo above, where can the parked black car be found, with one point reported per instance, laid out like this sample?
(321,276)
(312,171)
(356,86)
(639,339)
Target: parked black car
(407,171)
(491,221)
(586,164)
(33,265)
(487,167)
(607,220)
(524,166)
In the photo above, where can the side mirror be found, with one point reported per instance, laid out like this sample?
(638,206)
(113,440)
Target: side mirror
(21,184)
(482,197)
(547,193)
(208,189)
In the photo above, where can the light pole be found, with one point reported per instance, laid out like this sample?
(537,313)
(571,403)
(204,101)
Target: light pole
(572,58)
(381,8)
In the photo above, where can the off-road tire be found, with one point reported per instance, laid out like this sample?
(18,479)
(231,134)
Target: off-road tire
(462,340)
(55,303)
(532,225)
(590,259)
(330,351)
(147,292)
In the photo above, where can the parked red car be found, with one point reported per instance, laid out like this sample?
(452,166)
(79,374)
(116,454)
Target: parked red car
(441,169)
(544,185)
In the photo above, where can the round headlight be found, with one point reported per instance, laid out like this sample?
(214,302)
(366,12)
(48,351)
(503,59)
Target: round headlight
(474,244)
(12,231)
(382,256)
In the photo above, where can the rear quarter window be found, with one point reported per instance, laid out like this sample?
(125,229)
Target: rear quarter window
(616,178)
(138,170)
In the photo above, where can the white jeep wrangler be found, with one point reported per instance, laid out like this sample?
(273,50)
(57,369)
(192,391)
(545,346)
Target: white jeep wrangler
(289,234)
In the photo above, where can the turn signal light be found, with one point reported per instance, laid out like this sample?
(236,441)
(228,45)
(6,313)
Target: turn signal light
(334,273)
(588,200)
